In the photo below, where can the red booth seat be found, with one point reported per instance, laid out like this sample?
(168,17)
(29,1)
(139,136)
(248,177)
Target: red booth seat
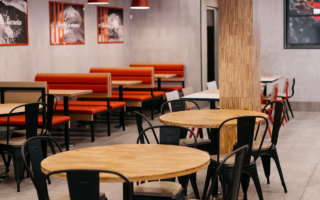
(83,109)
(162,68)
(19,120)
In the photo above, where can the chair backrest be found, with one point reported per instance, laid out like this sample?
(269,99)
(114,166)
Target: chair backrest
(139,120)
(274,92)
(286,85)
(261,93)
(245,134)
(278,118)
(293,82)
(169,135)
(21,92)
(174,95)
(85,184)
(185,92)
(212,85)
(178,105)
(31,112)
(35,147)
(233,192)
(52,102)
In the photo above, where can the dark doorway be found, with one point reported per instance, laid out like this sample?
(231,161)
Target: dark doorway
(211,43)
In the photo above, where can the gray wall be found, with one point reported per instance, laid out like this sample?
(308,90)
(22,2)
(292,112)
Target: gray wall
(169,32)
(275,60)
(21,63)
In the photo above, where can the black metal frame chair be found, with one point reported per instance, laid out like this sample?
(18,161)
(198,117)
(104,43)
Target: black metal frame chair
(287,101)
(34,148)
(233,190)
(84,184)
(174,133)
(269,149)
(245,136)
(14,150)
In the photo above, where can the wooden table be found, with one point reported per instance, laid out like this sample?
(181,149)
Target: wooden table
(163,76)
(137,162)
(269,79)
(210,119)
(66,94)
(208,95)
(7,107)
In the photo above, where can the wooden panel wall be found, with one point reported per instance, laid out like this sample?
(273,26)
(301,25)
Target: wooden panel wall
(239,60)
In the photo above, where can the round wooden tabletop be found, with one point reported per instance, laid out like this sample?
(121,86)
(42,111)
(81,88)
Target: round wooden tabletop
(137,162)
(207,118)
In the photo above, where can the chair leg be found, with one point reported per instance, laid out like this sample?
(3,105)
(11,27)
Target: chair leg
(67,136)
(255,178)
(109,124)
(287,113)
(266,166)
(193,180)
(8,163)
(123,120)
(152,106)
(290,108)
(18,166)
(5,161)
(207,183)
(245,180)
(183,180)
(92,131)
(275,157)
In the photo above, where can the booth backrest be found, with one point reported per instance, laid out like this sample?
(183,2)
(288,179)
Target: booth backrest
(145,74)
(22,92)
(99,83)
(177,69)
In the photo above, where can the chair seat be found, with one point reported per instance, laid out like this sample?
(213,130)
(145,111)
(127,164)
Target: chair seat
(267,108)
(23,132)
(158,189)
(20,120)
(16,141)
(67,197)
(190,141)
(256,144)
(230,161)
(268,98)
(113,104)
(83,109)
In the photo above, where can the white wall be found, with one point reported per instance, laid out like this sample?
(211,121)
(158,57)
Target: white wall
(275,60)
(21,63)
(169,32)
(213,3)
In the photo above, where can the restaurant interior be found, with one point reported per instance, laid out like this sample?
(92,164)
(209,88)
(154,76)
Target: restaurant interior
(159,99)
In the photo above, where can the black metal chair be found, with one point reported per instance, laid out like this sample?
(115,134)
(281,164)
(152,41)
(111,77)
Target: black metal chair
(268,149)
(292,94)
(52,102)
(180,105)
(13,145)
(84,184)
(245,136)
(169,135)
(232,191)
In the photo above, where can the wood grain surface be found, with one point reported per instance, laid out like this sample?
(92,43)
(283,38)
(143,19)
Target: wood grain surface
(164,76)
(69,93)
(6,108)
(124,83)
(207,118)
(138,162)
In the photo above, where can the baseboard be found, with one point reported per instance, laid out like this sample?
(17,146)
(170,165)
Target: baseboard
(305,106)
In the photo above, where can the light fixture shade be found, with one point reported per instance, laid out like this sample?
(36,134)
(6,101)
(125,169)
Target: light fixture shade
(139,4)
(98,1)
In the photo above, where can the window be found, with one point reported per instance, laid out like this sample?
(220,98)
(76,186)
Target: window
(302,24)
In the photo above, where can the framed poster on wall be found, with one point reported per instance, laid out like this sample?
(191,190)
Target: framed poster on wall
(110,25)
(66,23)
(14,22)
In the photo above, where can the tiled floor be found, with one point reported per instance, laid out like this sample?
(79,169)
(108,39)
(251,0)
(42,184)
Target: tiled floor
(298,149)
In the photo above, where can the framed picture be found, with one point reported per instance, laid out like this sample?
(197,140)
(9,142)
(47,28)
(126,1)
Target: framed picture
(14,22)
(302,24)
(66,23)
(110,25)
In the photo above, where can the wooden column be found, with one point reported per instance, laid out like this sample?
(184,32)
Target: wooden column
(239,60)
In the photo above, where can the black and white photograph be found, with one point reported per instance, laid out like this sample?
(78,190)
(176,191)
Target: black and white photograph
(13,22)
(303,25)
(110,25)
(66,23)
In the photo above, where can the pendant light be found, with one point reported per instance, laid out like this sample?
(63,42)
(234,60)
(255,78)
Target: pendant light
(98,1)
(139,4)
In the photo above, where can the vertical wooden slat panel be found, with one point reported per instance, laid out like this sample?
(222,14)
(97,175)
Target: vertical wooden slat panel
(239,57)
